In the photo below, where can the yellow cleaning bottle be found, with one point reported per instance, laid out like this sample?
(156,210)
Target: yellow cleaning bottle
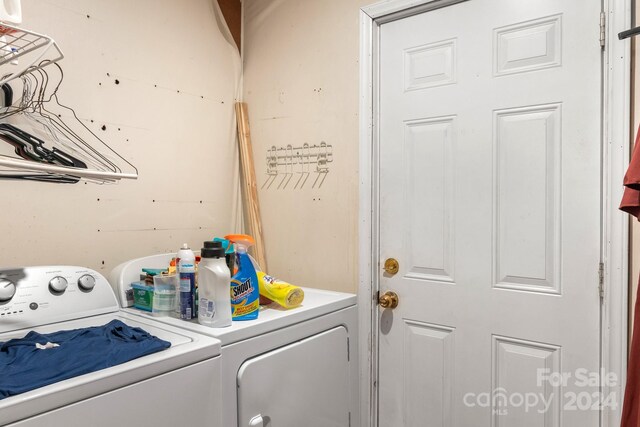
(283,293)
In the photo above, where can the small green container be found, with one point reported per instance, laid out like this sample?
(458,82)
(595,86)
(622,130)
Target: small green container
(142,296)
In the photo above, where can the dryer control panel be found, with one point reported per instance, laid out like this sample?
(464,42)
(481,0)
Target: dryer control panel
(32,296)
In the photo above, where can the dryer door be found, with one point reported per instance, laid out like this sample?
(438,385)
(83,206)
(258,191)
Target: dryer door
(304,383)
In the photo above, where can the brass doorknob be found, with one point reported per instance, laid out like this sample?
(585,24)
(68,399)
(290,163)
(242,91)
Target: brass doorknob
(388,300)
(391,266)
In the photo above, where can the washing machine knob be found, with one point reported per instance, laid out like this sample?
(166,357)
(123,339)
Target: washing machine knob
(256,421)
(7,289)
(86,282)
(58,284)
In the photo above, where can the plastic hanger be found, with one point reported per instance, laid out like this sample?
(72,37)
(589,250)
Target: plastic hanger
(8,94)
(35,146)
(31,148)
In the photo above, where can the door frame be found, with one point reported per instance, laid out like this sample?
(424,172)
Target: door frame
(615,225)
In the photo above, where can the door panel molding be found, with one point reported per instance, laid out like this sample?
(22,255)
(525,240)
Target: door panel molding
(535,211)
(545,38)
(434,164)
(523,360)
(616,133)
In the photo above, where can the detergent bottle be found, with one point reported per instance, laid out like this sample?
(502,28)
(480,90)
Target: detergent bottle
(245,302)
(214,309)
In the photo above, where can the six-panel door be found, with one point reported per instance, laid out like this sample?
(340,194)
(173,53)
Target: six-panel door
(489,198)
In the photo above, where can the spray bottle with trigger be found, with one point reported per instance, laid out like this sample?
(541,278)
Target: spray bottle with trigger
(245,302)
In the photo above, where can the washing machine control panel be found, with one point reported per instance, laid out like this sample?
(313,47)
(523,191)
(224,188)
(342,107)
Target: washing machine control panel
(32,296)
(58,284)
(7,290)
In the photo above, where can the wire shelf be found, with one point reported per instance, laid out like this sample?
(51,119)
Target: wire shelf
(23,51)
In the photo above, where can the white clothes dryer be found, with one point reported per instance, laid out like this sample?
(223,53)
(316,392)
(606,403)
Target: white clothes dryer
(180,385)
(288,368)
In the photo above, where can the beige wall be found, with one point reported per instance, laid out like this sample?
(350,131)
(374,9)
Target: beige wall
(182,142)
(301,86)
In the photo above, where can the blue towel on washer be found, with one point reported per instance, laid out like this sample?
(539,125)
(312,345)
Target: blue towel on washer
(24,366)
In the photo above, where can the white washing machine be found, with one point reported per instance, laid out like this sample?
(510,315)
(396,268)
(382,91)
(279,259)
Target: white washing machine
(179,385)
(288,368)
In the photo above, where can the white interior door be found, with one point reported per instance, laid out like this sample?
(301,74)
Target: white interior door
(489,198)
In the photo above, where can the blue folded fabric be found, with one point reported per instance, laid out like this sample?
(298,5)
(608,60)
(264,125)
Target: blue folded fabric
(25,367)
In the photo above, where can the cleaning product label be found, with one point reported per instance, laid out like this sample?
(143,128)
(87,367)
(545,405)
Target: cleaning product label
(243,300)
(241,290)
(245,297)
(185,282)
(187,295)
(207,308)
(186,305)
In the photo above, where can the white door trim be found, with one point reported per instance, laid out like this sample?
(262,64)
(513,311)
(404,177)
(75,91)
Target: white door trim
(615,233)
(615,224)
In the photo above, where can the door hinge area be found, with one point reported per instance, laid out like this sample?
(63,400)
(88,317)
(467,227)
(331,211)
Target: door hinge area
(601,280)
(603,28)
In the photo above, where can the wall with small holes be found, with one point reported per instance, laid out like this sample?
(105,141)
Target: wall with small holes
(156,80)
(301,85)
